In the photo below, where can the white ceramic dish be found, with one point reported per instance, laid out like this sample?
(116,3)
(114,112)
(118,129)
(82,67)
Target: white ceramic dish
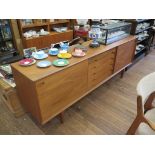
(44,64)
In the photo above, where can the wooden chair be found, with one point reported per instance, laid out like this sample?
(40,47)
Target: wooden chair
(144,122)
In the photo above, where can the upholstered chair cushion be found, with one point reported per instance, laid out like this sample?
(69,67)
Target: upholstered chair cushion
(146,86)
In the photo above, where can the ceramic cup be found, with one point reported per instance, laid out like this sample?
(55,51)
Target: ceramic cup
(64,46)
(53,50)
(40,54)
(78,51)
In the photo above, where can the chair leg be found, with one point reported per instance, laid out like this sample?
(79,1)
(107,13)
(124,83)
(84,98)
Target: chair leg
(61,117)
(134,126)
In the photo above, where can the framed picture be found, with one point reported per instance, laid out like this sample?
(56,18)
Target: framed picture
(28,52)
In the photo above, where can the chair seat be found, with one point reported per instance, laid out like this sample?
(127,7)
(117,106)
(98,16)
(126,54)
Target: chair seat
(143,128)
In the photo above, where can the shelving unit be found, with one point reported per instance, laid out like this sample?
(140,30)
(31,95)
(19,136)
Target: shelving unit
(145,41)
(7,44)
(46,24)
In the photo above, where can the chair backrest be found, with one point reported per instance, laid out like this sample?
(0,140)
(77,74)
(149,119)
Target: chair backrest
(146,86)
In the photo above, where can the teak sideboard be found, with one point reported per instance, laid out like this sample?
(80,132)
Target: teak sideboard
(47,92)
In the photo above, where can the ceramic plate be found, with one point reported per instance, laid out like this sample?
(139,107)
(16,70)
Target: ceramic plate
(82,54)
(60,62)
(39,58)
(64,55)
(44,64)
(27,62)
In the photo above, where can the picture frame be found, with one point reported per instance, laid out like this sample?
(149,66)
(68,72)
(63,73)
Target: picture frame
(28,52)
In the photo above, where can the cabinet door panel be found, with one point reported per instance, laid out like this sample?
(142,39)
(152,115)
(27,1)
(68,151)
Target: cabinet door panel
(59,91)
(124,55)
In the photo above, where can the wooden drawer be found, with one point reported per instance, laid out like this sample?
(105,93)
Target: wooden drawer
(100,68)
(97,78)
(101,65)
(104,56)
(98,75)
(59,91)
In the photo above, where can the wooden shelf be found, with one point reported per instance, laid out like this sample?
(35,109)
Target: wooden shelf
(45,40)
(59,22)
(51,33)
(35,25)
(54,32)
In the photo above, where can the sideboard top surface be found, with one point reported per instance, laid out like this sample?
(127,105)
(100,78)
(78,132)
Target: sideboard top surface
(34,73)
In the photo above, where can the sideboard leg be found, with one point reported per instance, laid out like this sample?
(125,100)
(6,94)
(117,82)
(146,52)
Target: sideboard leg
(126,68)
(61,117)
(122,73)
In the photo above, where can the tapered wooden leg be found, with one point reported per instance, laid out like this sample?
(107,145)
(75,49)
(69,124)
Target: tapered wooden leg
(122,73)
(134,126)
(61,117)
(126,68)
